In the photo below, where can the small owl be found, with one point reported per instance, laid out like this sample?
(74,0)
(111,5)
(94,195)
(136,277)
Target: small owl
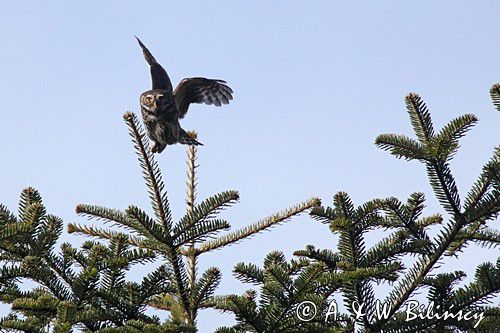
(162,107)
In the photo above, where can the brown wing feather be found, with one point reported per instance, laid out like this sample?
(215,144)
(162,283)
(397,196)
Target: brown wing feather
(201,90)
(159,76)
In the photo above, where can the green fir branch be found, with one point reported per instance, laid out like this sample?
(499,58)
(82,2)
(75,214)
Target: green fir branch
(495,95)
(151,171)
(254,228)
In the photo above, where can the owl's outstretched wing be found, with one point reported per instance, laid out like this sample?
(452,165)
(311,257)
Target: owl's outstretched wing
(158,75)
(201,90)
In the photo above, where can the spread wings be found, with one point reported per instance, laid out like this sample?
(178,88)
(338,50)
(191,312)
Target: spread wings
(158,75)
(201,90)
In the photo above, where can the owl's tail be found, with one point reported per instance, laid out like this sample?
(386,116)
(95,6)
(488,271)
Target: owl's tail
(187,139)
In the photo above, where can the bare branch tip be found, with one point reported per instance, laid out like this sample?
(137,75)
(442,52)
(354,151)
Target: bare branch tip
(412,96)
(192,134)
(129,116)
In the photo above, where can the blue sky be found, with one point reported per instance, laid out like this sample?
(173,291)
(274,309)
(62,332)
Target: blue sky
(314,84)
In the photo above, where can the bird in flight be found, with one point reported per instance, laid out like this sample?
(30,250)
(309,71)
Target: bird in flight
(162,107)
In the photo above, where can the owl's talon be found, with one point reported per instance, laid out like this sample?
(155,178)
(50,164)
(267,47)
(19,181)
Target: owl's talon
(154,148)
(157,148)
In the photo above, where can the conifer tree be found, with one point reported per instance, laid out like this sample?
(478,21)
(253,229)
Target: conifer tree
(495,95)
(180,243)
(354,269)
(283,285)
(86,289)
(83,288)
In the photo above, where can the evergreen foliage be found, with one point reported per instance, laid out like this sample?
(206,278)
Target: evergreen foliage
(354,269)
(83,288)
(86,289)
(283,285)
(495,95)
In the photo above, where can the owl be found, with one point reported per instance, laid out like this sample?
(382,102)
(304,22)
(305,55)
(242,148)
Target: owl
(162,107)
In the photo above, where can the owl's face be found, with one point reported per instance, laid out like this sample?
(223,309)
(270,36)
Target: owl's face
(155,101)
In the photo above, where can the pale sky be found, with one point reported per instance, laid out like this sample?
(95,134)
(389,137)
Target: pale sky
(314,84)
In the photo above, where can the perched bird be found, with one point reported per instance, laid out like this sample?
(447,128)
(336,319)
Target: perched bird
(162,107)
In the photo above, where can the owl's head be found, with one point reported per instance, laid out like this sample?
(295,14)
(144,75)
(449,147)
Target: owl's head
(156,100)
